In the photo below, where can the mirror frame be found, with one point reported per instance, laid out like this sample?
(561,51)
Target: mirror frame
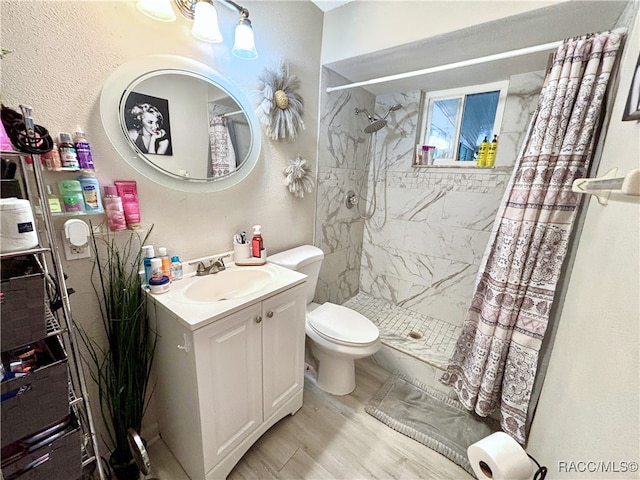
(120,83)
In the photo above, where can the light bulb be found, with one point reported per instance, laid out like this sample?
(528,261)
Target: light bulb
(244,46)
(205,23)
(157,9)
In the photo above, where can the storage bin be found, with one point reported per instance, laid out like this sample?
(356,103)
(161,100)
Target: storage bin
(22,302)
(54,454)
(17,227)
(40,398)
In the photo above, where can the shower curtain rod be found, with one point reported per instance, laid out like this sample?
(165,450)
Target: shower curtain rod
(228,114)
(451,66)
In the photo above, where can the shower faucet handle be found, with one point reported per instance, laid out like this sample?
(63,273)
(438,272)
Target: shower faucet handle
(351,199)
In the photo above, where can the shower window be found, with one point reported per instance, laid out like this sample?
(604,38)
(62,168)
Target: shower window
(457,121)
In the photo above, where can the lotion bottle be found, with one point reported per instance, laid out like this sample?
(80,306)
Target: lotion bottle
(114,209)
(83,150)
(91,192)
(256,242)
(128,192)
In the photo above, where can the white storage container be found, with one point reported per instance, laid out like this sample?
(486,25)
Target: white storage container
(17,227)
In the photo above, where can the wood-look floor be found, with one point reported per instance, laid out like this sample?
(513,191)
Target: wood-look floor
(330,438)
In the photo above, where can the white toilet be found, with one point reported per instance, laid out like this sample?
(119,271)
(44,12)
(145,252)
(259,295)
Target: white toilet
(336,335)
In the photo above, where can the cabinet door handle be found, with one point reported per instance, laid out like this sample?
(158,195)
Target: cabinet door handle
(186,346)
(258,319)
(269,314)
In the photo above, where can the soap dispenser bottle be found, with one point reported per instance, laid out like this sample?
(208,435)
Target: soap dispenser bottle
(256,242)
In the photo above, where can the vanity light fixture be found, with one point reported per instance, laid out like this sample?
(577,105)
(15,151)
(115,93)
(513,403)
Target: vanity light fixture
(205,21)
(157,9)
(244,45)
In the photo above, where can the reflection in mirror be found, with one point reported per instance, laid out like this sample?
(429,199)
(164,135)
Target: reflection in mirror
(214,131)
(180,123)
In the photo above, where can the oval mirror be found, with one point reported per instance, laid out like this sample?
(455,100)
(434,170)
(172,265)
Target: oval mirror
(181,124)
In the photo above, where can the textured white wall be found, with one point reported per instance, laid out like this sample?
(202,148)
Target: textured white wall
(394,23)
(590,402)
(64,51)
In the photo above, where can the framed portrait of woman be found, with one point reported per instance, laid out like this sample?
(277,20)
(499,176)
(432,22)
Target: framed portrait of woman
(148,125)
(632,108)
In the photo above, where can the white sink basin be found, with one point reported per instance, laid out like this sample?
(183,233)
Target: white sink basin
(226,285)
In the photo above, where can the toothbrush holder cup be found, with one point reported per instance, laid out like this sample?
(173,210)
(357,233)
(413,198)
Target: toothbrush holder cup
(241,251)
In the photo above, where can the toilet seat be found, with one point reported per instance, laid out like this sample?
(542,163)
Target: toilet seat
(342,325)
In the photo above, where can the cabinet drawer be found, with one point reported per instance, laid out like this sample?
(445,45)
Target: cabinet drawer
(40,398)
(22,302)
(54,454)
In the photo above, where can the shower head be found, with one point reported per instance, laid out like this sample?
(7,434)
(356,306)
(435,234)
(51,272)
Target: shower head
(393,108)
(375,125)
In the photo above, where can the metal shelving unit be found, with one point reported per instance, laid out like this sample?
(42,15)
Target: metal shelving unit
(59,323)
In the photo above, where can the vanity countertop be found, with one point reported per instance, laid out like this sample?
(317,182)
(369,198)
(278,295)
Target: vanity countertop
(194,314)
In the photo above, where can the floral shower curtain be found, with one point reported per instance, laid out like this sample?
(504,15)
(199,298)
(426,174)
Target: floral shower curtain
(496,355)
(223,154)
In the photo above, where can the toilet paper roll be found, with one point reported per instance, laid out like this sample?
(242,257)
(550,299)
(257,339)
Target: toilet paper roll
(499,457)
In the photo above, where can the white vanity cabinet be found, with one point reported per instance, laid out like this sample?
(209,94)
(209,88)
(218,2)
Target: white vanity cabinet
(221,386)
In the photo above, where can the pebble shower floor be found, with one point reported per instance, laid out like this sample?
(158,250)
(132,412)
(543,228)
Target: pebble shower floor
(423,337)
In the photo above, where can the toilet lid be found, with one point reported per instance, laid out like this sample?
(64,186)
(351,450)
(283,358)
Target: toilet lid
(342,324)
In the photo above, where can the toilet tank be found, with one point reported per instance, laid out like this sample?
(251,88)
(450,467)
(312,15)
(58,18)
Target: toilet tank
(305,259)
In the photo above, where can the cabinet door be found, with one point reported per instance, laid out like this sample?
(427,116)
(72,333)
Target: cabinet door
(283,347)
(228,359)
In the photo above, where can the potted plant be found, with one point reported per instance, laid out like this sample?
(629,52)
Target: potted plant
(121,365)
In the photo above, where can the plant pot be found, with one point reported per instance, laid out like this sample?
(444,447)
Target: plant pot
(124,469)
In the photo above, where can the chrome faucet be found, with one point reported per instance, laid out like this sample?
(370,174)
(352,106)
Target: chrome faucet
(215,267)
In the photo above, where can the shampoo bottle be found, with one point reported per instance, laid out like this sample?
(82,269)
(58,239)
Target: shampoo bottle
(493,149)
(256,242)
(482,153)
(83,150)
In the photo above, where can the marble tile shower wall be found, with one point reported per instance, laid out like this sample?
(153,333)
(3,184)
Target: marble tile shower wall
(423,250)
(342,166)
